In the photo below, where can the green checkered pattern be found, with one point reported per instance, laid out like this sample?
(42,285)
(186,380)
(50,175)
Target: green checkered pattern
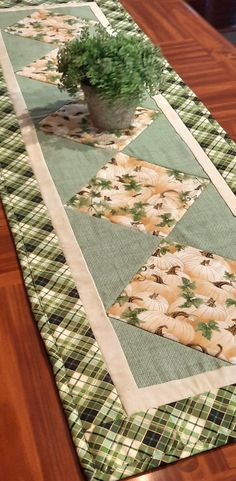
(110,445)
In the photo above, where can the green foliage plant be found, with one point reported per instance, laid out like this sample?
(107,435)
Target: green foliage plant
(120,67)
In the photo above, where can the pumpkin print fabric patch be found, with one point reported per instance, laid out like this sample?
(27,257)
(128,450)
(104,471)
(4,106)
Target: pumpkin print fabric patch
(137,194)
(43,69)
(49,27)
(186,295)
(73,121)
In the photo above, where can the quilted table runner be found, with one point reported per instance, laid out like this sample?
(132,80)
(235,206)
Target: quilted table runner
(127,246)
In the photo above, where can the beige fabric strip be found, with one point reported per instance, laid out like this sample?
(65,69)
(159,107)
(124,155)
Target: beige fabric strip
(178,389)
(207,165)
(132,398)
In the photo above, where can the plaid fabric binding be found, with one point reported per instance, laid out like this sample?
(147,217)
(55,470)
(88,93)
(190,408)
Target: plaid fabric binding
(110,445)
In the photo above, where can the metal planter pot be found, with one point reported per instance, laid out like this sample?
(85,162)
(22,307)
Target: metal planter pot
(106,115)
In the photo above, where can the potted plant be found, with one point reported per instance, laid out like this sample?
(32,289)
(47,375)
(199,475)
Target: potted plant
(115,73)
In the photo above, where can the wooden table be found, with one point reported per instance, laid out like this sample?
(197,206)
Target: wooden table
(35,443)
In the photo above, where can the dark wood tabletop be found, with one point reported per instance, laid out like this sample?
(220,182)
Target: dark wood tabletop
(35,443)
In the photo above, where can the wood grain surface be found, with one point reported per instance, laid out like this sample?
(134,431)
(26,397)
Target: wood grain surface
(200,55)
(35,444)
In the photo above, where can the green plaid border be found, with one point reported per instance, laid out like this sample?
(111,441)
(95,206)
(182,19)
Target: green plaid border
(110,445)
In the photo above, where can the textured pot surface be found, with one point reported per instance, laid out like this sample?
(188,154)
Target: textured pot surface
(106,115)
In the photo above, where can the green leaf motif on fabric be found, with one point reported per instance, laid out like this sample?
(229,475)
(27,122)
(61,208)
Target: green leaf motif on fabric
(131,316)
(207,328)
(189,295)
(167,220)
(187,284)
(138,211)
(122,299)
(179,247)
(184,196)
(105,184)
(130,183)
(230,276)
(177,175)
(73,200)
(83,201)
(230,302)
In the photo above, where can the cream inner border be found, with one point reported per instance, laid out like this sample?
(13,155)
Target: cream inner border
(134,399)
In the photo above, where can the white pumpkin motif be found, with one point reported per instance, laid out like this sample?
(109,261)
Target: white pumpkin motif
(206,269)
(231,314)
(166,261)
(141,288)
(143,195)
(151,284)
(220,291)
(145,175)
(111,171)
(230,353)
(146,294)
(174,276)
(225,340)
(178,306)
(203,264)
(158,206)
(165,183)
(152,321)
(154,302)
(210,310)
(126,161)
(177,329)
(121,219)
